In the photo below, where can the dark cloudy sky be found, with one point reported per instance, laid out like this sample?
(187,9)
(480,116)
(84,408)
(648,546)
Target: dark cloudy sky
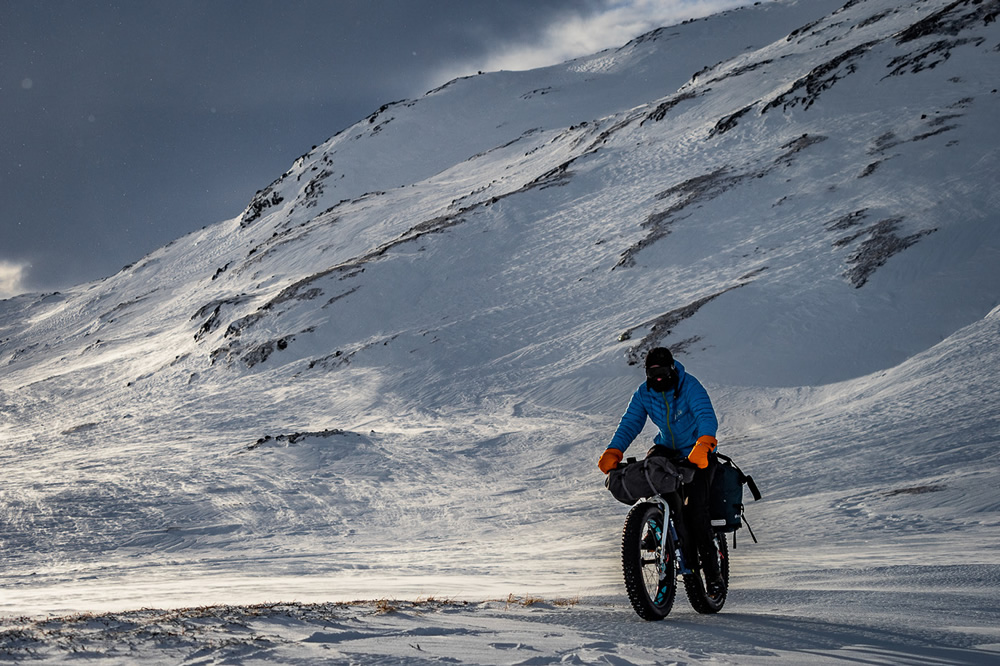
(127,124)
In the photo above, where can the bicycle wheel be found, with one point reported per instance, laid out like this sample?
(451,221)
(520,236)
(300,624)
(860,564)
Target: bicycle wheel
(694,583)
(650,590)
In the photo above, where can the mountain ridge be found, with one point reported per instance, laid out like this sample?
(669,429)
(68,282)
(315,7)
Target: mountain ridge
(879,240)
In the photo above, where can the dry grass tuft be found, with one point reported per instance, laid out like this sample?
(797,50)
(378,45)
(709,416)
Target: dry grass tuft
(384,606)
(566,602)
(528,600)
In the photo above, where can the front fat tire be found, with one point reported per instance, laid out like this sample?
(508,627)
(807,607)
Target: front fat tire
(651,597)
(694,583)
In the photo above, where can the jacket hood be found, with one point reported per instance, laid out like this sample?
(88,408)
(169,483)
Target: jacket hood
(680,372)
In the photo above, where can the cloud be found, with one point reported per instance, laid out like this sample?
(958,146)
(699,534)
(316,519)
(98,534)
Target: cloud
(12,278)
(573,35)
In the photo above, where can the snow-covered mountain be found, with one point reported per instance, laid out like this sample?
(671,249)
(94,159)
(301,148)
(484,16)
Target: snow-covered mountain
(392,373)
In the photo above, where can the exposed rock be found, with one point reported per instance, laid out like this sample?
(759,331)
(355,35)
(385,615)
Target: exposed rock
(263,200)
(295,438)
(951,20)
(848,221)
(694,190)
(739,71)
(882,243)
(729,122)
(214,320)
(340,358)
(806,90)
(662,326)
(946,24)
(660,112)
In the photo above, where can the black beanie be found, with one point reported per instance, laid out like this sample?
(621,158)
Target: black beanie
(660,356)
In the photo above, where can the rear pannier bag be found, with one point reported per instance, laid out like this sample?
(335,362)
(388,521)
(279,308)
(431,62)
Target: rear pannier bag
(654,475)
(726,495)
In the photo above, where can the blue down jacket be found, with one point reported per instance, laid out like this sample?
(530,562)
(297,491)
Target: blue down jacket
(682,416)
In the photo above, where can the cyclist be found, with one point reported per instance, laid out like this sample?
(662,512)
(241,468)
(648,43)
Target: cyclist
(677,403)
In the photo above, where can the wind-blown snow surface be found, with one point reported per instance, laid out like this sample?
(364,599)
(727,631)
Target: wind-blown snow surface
(390,377)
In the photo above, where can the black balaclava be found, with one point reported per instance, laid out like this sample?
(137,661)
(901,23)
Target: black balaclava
(661,374)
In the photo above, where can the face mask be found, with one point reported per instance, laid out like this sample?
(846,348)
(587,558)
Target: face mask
(661,378)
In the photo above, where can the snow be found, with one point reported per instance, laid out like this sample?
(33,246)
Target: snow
(390,378)
(513,630)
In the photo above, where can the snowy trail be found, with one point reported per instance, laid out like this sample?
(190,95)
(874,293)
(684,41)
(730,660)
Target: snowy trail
(781,626)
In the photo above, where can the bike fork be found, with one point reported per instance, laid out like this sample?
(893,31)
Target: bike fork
(668,524)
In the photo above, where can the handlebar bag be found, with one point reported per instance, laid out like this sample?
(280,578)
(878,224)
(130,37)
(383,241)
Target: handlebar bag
(654,475)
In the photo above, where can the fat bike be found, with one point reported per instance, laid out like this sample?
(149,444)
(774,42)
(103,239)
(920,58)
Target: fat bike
(653,560)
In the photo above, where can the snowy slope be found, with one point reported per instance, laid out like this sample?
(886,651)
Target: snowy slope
(390,376)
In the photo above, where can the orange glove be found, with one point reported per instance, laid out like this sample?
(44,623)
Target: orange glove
(609,460)
(699,454)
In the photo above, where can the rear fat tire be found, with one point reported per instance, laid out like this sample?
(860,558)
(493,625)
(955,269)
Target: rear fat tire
(652,597)
(694,583)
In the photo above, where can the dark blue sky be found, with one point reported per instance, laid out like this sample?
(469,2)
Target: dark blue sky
(128,124)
